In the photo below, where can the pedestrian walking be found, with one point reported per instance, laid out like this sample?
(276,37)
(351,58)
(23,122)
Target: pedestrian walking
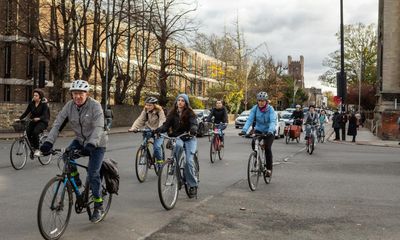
(336,125)
(343,121)
(352,129)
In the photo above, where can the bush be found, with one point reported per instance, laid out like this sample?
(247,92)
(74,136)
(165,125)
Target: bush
(196,103)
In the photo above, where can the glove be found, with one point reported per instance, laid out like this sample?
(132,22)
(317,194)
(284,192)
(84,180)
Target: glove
(242,133)
(46,148)
(193,132)
(88,149)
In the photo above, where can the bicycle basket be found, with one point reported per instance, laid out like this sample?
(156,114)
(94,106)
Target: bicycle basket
(19,126)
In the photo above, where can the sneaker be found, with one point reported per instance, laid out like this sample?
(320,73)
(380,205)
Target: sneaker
(192,192)
(97,214)
(37,153)
(268,173)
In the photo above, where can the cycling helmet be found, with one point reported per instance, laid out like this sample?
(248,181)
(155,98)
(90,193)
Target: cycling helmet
(262,96)
(79,85)
(298,106)
(151,100)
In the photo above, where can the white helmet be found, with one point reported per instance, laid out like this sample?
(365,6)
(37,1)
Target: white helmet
(79,85)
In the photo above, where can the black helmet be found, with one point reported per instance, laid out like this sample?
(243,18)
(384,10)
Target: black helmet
(262,96)
(151,100)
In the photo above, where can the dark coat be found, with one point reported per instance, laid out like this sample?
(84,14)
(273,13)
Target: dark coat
(220,115)
(352,130)
(175,126)
(336,120)
(41,111)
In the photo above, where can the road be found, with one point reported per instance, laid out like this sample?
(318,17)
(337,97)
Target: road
(329,192)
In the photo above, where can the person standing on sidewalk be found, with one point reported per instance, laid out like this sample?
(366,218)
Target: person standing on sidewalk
(352,129)
(336,125)
(343,121)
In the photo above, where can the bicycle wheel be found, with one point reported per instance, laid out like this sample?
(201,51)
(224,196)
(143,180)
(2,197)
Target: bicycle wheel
(253,171)
(287,138)
(141,164)
(54,209)
(168,184)
(220,150)
(311,145)
(107,199)
(213,149)
(44,160)
(18,154)
(267,179)
(322,136)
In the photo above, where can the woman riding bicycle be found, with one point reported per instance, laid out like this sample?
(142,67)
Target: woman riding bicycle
(39,115)
(152,117)
(310,120)
(264,117)
(86,119)
(219,115)
(322,120)
(182,119)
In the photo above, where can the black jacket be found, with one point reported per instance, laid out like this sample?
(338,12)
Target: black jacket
(297,115)
(176,127)
(220,115)
(41,111)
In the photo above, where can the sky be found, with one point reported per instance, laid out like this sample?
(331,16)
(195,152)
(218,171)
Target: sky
(288,27)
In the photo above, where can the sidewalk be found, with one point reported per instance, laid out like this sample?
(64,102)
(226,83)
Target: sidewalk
(67,133)
(364,137)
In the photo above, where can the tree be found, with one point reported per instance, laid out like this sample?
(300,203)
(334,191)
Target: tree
(367,96)
(360,46)
(170,23)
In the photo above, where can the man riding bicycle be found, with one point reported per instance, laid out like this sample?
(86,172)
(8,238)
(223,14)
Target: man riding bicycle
(219,115)
(265,120)
(297,116)
(86,119)
(152,117)
(310,120)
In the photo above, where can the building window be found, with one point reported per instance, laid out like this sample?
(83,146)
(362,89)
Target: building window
(7,60)
(28,93)
(29,64)
(8,17)
(7,93)
(200,88)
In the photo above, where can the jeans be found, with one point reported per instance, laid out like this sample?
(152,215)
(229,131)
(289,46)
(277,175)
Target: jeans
(308,129)
(95,161)
(321,130)
(190,149)
(222,127)
(158,154)
(33,130)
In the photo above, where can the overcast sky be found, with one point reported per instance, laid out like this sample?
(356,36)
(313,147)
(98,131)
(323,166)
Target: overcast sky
(289,27)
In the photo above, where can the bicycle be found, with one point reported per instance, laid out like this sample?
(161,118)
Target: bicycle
(310,143)
(171,177)
(56,199)
(292,132)
(144,156)
(215,146)
(21,146)
(321,134)
(257,163)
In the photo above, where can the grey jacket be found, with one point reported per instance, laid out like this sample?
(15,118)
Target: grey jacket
(87,122)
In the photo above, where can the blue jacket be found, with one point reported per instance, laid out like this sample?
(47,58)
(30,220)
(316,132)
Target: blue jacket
(265,122)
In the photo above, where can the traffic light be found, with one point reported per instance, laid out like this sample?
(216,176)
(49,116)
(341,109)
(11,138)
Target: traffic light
(341,86)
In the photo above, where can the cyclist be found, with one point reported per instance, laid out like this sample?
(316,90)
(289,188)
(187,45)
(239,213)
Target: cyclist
(86,119)
(265,120)
(322,120)
(39,115)
(220,115)
(297,116)
(311,119)
(152,117)
(180,119)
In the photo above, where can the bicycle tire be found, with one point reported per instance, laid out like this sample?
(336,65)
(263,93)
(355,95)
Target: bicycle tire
(65,194)
(168,184)
(287,138)
(253,171)
(267,179)
(107,199)
(213,150)
(21,149)
(220,150)
(141,164)
(44,160)
(311,147)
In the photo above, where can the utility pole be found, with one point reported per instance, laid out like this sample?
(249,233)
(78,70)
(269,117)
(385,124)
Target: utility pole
(342,78)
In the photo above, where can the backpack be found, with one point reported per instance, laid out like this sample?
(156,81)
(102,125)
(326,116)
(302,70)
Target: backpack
(109,170)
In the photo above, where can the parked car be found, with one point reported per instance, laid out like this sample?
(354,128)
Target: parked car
(202,115)
(290,110)
(285,117)
(241,120)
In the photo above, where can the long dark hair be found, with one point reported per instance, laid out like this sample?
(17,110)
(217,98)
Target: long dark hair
(186,113)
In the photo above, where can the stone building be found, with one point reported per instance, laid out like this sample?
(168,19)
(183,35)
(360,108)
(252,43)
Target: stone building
(296,70)
(388,95)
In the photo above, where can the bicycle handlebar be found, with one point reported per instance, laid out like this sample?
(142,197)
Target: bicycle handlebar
(182,135)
